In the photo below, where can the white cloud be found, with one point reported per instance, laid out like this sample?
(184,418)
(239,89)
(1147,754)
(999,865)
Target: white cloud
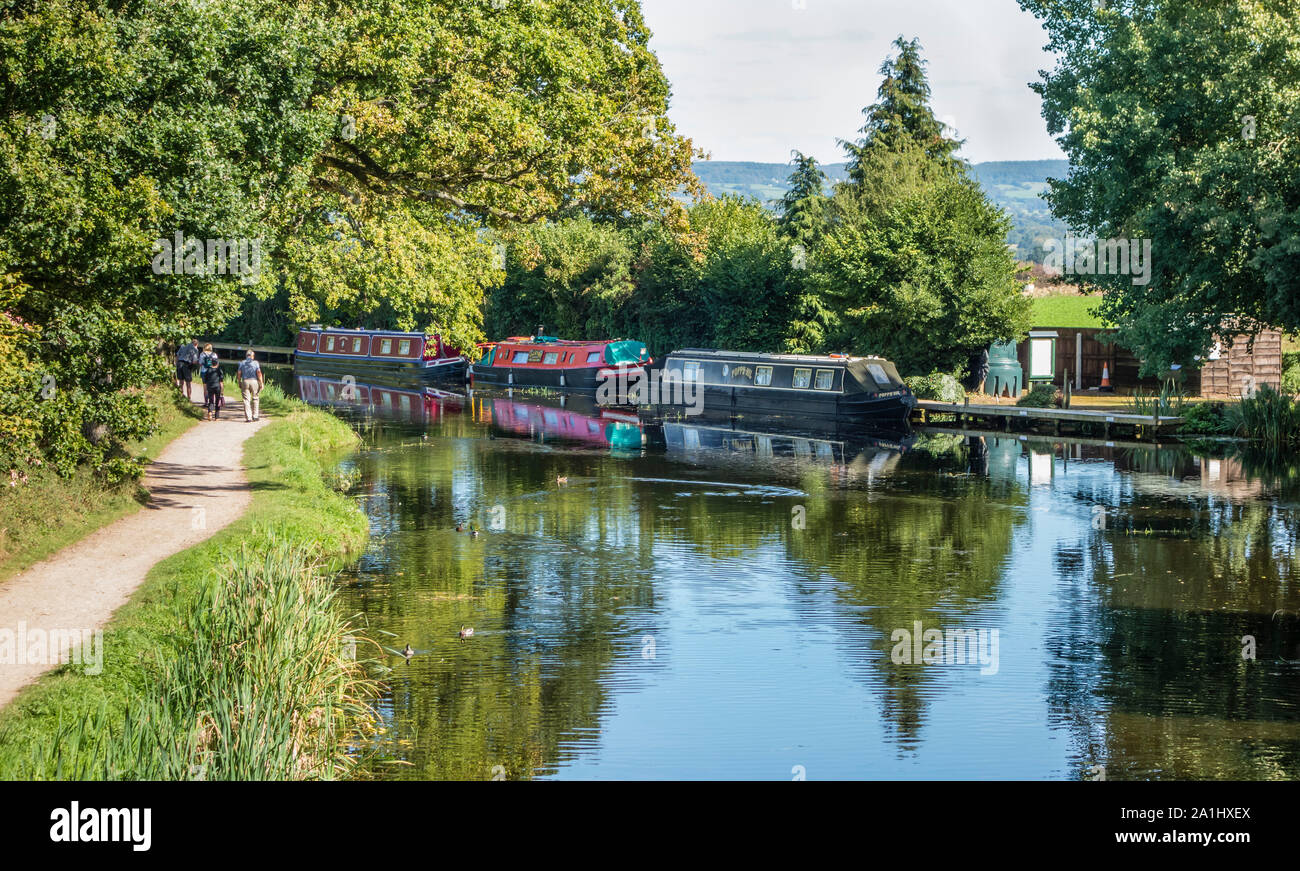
(753,79)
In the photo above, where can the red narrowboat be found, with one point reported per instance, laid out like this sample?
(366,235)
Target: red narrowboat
(545,361)
(333,349)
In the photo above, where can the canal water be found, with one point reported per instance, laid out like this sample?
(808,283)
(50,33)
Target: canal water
(707,599)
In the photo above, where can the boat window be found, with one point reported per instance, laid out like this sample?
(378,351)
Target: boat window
(878,373)
(386,346)
(519,357)
(825,378)
(802,377)
(763,376)
(329,344)
(690,371)
(551,358)
(356,345)
(593,357)
(404,347)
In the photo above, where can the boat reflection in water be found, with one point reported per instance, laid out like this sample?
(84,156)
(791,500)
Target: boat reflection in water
(575,420)
(412,402)
(850,451)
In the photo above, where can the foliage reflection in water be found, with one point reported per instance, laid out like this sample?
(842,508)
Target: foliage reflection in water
(701,600)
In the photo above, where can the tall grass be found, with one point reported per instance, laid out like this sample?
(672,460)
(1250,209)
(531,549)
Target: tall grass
(266,686)
(1167,403)
(1268,417)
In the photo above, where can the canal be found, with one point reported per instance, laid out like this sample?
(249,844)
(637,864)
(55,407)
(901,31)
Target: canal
(700,599)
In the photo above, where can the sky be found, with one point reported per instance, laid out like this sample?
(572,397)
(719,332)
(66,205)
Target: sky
(753,79)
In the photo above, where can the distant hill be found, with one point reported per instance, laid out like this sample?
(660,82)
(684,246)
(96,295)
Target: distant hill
(1015,185)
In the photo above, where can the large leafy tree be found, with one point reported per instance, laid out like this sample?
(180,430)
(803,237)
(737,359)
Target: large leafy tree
(370,147)
(1181,119)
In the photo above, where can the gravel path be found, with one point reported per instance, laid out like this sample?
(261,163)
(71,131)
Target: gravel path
(197,486)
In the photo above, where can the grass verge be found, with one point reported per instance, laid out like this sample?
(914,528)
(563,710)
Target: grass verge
(230,661)
(49,512)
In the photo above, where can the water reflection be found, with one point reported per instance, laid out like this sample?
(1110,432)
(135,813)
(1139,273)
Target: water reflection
(711,599)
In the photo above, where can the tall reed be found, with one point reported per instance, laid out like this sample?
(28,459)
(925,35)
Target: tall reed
(265,685)
(1268,417)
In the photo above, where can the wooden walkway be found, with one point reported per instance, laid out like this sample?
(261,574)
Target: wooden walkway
(1007,415)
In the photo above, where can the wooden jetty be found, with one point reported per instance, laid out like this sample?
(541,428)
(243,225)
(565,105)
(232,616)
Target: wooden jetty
(1007,416)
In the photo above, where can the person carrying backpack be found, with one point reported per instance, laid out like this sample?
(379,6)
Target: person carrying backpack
(205,360)
(212,391)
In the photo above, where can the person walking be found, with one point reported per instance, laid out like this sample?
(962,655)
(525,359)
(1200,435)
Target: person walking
(207,360)
(212,390)
(187,358)
(251,381)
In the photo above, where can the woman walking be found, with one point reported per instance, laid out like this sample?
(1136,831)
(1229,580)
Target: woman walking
(208,359)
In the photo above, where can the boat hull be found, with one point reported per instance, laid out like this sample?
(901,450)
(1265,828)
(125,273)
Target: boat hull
(585,378)
(894,406)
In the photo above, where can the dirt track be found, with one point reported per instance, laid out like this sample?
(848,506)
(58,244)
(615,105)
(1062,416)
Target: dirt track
(197,487)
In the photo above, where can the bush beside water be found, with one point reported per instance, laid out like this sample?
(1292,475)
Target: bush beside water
(937,386)
(1042,395)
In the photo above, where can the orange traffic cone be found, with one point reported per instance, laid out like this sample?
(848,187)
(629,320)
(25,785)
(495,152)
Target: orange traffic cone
(1105,377)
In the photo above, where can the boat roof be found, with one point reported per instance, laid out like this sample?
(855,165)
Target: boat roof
(360,331)
(552,340)
(748,356)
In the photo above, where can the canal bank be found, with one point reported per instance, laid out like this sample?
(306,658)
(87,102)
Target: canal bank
(188,643)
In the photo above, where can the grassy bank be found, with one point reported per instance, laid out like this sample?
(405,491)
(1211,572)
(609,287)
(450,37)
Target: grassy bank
(231,657)
(48,513)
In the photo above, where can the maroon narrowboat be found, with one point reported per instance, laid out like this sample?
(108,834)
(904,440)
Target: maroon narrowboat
(333,349)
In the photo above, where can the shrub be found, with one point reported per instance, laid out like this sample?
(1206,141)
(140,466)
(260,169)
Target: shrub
(1205,418)
(938,386)
(1042,395)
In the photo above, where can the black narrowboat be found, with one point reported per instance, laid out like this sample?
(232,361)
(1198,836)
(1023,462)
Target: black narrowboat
(851,389)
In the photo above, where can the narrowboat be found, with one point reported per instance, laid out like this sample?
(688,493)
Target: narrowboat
(333,349)
(851,389)
(545,361)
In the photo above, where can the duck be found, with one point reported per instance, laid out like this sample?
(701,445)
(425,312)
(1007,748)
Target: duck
(561,479)
(460,527)
(466,632)
(408,652)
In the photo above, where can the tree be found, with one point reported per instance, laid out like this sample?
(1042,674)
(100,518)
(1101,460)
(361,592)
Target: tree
(901,113)
(369,148)
(916,267)
(1180,119)
(803,208)
(573,277)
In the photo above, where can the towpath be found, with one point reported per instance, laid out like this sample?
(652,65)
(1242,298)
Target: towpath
(197,486)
